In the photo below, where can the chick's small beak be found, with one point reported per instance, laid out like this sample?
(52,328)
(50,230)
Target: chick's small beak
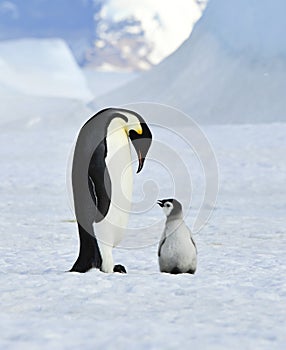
(160,203)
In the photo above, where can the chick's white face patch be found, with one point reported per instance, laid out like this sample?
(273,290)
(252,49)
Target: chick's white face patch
(168,207)
(180,164)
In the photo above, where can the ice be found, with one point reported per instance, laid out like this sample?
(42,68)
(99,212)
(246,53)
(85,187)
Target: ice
(41,67)
(231,69)
(102,82)
(236,299)
(163,25)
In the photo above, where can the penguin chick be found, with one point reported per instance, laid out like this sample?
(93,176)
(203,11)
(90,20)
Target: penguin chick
(177,250)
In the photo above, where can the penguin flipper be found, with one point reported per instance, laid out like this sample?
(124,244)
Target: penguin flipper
(160,246)
(192,240)
(89,254)
(194,244)
(99,182)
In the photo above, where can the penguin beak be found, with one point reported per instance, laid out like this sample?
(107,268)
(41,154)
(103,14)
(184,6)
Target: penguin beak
(141,142)
(141,161)
(160,203)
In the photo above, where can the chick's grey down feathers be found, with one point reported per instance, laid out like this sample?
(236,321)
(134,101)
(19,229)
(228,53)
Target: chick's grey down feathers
(177,251)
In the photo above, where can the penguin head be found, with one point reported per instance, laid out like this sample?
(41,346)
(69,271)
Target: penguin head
(140,136)
(171,207)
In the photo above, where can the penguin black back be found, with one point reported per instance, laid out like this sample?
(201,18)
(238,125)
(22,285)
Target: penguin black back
(91,178)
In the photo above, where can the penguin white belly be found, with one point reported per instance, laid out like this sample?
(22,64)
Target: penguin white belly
(178,251)
(110,230)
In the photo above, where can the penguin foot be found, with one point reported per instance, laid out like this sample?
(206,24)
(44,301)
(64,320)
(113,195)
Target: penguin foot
(81,267)
(84,265)
(119,268)
(175,271)
(89,253)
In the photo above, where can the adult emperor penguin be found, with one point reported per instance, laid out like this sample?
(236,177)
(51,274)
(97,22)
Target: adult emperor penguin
(102,183)
(177,250)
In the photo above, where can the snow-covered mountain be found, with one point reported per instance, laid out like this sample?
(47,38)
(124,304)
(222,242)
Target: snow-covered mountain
(236,300)
(105,34)
(139,34)
(231,69)
(46,68)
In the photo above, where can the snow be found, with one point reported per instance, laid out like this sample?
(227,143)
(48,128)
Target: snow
(237,297)
(102,82)
(41,67)
(41,70)
(256,27)
(100,32)
(231,69)
(165,24)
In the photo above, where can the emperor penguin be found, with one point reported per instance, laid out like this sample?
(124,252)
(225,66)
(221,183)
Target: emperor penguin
(177,250)
(102,181)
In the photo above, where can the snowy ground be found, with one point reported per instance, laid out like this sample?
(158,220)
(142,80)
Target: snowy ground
(237,298)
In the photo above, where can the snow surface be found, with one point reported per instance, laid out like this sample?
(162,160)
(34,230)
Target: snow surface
(231,69)
(38,67)
(237,298)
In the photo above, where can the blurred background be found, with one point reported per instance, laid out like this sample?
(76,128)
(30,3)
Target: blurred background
(84,48)
(219,61)
(108,35)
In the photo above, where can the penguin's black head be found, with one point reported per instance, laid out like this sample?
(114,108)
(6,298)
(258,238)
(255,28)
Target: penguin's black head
(141,140)
(170,206)
(138,132)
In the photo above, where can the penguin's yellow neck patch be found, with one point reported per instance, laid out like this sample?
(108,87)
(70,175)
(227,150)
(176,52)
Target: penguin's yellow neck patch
(139,131)
(136,128)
